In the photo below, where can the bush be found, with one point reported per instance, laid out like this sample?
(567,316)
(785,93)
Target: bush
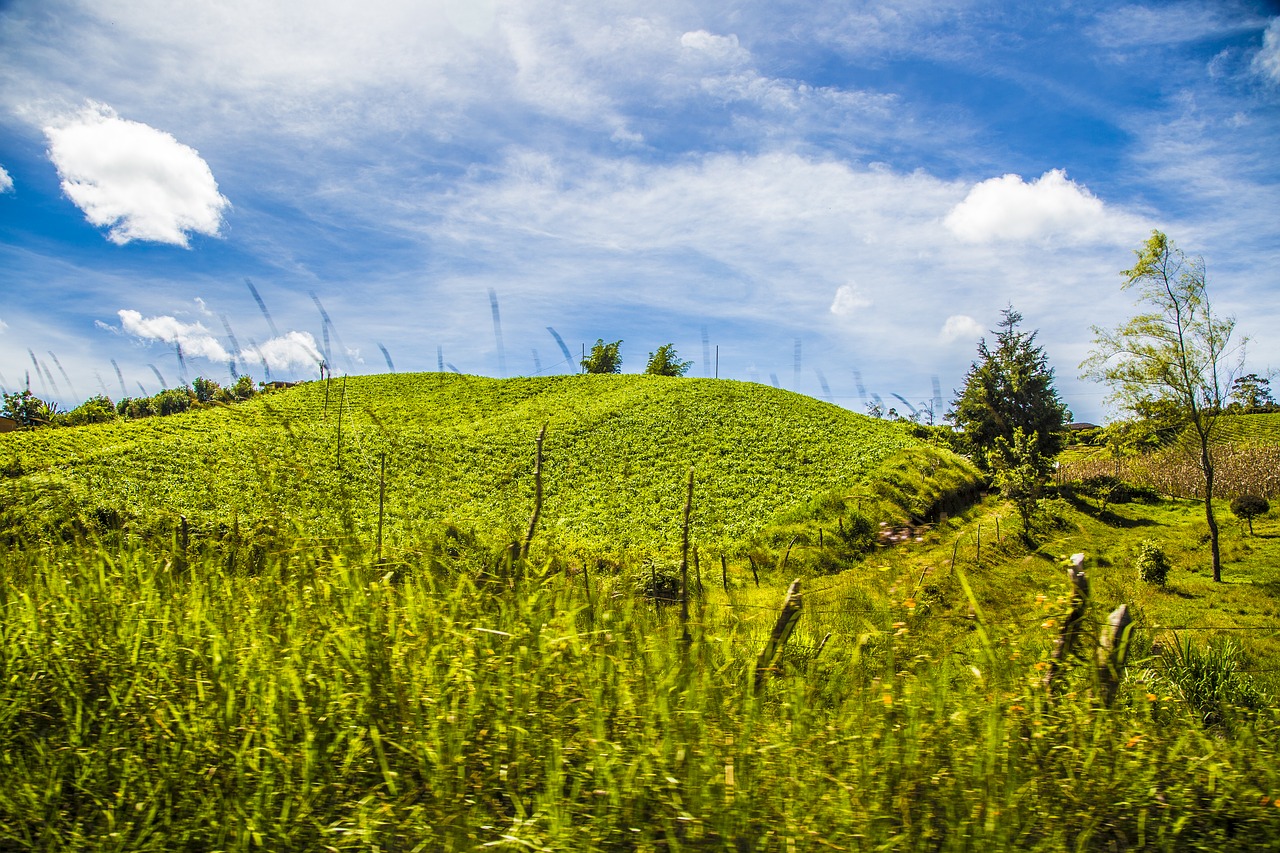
(1248,507)
(604,358)
(95,410)
(1153,564)
(205,389)
(666,362)
(172,401)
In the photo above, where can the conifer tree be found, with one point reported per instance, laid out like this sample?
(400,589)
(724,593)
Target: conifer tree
(1009,387)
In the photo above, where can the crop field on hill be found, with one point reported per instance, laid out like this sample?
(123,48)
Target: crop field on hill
(458,451)
(1248,462)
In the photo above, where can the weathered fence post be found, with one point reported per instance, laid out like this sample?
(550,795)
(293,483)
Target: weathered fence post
(1113,652)
(1069,633)
(537,494)
(382,496)
(341,405)
(782,630)
(684,565)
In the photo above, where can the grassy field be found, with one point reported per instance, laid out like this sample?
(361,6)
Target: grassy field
(305,463)
(158,695)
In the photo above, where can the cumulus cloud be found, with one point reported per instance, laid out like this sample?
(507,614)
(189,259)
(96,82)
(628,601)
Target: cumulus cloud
(1052,207)
(6,182)
(1267,60)
(292,350)
(139,182)
(194,338)
(848,301)
(960,327)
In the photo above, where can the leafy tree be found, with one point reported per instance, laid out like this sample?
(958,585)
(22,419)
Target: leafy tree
(172,401)
(604,358)
(206,390)
(1248,507)
(666,362)
(1252,393)
(1010,387)
(95,410)
(28,410)
(1175,353)
(1020,473)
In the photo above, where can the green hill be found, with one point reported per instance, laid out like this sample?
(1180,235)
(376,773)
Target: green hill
(459,451)
(1261,428)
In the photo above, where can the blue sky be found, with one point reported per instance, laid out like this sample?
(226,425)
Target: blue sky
(874,181)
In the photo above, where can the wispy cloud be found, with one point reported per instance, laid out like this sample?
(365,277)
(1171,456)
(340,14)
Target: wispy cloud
(1266,61)
(6,182)
(139,182)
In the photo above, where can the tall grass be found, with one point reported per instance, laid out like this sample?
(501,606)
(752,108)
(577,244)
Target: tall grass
(320,703)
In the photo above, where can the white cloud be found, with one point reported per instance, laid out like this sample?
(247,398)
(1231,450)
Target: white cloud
(195,339)
(290,351)
(721,48)
(1052,207)
(3,326)
(139,182)
(1267,61)
(6,182)
(848,301)
(960,327)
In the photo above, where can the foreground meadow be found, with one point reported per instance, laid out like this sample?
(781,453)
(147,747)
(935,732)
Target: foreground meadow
(162,688)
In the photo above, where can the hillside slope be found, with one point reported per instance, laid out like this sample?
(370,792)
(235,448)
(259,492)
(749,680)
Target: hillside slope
(459,450)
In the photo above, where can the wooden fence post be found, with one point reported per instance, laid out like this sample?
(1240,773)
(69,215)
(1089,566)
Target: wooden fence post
(1113,652)
(782,631)
(341,405)
(382,495)
(1069,633)
(537,494)
(684,565)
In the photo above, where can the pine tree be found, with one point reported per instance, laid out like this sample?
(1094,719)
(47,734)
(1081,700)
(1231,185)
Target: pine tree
(1010,387)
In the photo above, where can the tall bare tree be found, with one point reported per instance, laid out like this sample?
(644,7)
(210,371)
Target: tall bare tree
(1177,351)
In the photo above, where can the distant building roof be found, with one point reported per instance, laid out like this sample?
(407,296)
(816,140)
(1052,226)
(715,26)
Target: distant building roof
(7,424)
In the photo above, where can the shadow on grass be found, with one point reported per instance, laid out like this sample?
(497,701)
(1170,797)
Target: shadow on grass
(1106,516)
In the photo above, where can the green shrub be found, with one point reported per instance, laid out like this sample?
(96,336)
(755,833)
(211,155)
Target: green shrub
(206,390)
(172,401)
(95,410)
(1153,564)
